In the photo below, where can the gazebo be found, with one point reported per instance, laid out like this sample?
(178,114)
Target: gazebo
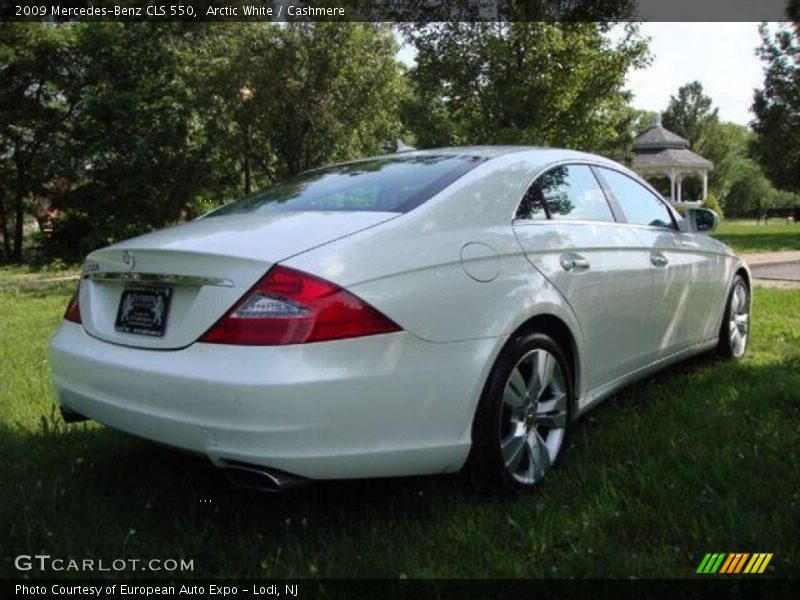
(660,153)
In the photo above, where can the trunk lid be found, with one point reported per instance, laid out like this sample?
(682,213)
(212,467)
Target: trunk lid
(201,268)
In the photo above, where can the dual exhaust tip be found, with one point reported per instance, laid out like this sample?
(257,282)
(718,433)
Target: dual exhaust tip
(262,479)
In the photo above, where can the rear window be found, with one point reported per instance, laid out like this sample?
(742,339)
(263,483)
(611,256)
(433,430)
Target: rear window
(387,184)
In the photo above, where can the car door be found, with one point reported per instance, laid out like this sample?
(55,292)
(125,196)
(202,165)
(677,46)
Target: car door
(568,231)
(708,285)
(682,271)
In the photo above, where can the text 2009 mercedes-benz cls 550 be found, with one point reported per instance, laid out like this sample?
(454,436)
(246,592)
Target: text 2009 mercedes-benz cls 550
(406,314)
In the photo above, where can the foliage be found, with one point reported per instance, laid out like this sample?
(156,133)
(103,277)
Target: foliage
(777,104)
(126,127)
(522,83)
(737,183)
(691,115)
(751,192)
(132,160)
(713,203)
(34,106)
(280,100)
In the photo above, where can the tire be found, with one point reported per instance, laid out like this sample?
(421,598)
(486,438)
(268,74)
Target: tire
(520,427)
(734,332)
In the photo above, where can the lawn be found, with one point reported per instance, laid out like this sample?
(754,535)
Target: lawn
(35,276)
(748,236)
(700,458)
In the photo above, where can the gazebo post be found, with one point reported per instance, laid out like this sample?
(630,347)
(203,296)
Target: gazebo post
(680,193)
(671,175)
(705,185)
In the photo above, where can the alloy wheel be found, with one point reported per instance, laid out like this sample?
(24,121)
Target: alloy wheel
(533,418)
(739,320)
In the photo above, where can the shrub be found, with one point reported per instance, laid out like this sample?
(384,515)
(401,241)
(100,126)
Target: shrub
(713,204)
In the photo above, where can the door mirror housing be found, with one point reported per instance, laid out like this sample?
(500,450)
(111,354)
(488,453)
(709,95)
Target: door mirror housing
(701,220)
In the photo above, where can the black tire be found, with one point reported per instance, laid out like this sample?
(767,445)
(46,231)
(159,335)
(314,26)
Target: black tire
(729,346)
(495,417)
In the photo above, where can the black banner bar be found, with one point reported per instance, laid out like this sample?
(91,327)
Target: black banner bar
(686,589)
(392,10)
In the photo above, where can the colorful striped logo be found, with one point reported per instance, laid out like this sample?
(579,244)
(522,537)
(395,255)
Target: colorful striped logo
(733,563)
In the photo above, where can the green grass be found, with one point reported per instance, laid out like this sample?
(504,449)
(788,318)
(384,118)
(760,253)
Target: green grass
(747,236)
(700,458)
(32,276)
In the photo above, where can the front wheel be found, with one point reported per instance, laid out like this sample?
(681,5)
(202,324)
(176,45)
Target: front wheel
(521,423)
(734,334)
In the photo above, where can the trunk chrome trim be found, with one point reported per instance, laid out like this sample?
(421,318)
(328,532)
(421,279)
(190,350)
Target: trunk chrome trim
(164,278)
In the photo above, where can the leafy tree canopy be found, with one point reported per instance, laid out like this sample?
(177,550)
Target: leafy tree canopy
(125,127)
(530,83)
(34,107)
(777,104)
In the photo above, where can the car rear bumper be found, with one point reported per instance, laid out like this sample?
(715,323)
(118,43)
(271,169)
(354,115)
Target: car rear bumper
(376,406)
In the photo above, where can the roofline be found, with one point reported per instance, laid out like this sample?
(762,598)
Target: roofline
(484,152)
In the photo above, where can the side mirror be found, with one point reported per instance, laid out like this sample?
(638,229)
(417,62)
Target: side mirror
(702,220)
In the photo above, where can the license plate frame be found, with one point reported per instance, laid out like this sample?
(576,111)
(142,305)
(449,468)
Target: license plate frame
(144,310)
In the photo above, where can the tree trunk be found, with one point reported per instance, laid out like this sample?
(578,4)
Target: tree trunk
(247,153)
(4,230)
(19,214)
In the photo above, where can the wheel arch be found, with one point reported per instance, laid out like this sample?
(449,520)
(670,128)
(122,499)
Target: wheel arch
(558,329)
(745,274)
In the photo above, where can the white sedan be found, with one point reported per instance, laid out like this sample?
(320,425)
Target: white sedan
(407,314)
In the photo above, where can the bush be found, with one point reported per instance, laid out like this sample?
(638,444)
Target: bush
(713,204)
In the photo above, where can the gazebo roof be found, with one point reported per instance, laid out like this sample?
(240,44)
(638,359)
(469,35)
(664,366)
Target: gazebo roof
(658,138)
(682,158)
(659,148)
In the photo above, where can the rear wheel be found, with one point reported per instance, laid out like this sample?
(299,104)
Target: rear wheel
(734,333)
(521,423)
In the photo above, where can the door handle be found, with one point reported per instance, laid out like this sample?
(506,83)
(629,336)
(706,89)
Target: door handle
(574,262)
(658,260)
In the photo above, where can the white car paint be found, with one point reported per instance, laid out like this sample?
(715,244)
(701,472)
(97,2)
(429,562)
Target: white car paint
(457,273)
(238,249)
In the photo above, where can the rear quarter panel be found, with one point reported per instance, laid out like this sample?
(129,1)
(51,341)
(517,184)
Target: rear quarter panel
(415,269)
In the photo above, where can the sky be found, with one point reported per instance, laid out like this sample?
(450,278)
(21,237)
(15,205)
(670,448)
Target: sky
(719,55)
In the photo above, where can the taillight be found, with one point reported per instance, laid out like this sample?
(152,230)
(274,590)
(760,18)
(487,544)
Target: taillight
(292,307)
(73,312)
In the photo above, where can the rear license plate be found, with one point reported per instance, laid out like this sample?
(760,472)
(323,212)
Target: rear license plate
(143,310)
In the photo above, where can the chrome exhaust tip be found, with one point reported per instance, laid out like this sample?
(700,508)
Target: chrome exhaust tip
(262,479)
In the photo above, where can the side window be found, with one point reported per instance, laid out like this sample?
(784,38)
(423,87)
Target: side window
(566,193)
(532,205)
(640,205)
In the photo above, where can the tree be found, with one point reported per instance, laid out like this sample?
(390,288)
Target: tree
(131,158)
(750,193)
(558,84)
(335,94)
(281,99)
(777,104)
(690,113)
(173,119)
(34,109)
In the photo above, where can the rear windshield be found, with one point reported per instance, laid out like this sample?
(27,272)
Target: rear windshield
(387,184)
